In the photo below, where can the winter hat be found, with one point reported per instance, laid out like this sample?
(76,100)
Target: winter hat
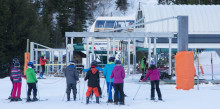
(112,59)
(72,62)
(117,62)
(42,54)
(30,64)
(152,63)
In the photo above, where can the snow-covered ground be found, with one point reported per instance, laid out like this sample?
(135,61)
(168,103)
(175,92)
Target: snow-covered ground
(53,89)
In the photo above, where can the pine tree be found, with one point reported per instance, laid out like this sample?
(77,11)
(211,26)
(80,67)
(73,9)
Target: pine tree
(122,5)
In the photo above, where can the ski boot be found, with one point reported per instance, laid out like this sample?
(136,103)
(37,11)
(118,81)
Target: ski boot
(97,100)
(152,98)
(19,99)
(35,99)
(115,103)
(74,97)
(28,99)
(68,96)
(9,97)
(13,99)
(160,99)
(110,101)
(121,103)
(87,100)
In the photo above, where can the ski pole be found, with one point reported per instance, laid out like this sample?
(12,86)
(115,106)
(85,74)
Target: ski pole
(83,90)
(79,90)
(103,88)
(109,90)
(137,91)
(38,91)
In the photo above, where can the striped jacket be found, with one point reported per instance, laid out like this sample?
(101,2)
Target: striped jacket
(16,75)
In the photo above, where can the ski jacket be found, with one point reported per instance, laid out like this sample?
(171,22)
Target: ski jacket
(98,68)
(108,71)
(11,67)
(118,74)
(42,61)
(16,75)
(153,74)
(30,75)
(71,74)
(93,77)
(143,63)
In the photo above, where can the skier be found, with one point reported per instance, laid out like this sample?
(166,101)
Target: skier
(144,65)
(93,82)
(31,81)
(154,75)
(42,63)
(16,79)
(15,60)
(107,73)
(71,80)
(99,69)
(118,74)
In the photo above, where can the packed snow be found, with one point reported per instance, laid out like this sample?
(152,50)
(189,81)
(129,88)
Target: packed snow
(53,89)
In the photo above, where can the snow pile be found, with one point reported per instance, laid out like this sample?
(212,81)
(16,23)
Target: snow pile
(205,60)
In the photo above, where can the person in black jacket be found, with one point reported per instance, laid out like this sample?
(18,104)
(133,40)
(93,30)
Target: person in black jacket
(93,82)
(71,80)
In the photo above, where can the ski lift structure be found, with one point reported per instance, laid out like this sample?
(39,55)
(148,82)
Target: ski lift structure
(128,36)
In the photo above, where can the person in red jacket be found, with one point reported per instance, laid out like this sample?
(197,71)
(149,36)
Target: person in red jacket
(42,64)
(154,75)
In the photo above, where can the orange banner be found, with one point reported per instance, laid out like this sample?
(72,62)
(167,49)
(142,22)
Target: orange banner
(26,60)
(185,70)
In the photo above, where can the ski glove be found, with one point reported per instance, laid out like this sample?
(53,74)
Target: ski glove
(36,81)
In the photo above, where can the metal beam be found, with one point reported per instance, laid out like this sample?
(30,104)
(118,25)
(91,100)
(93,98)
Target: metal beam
(182,33)
(119,35)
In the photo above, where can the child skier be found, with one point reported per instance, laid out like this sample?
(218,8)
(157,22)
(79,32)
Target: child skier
(93,82)
(31,81)
(99,69)
(16,79)
(107,73)
(42,64)
(118,74)
(154,75)
(71,80)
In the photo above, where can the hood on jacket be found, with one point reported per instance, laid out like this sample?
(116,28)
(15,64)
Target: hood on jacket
(93,69)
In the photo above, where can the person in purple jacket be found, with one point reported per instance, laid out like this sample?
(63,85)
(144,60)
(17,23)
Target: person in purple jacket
(154,75)
(118,74)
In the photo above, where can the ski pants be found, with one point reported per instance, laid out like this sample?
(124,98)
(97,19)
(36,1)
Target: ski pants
(43,70)
(109,90)
(95,91)
(69,87)
(143,74)
(16,90)
(32,86)
(118,89)
(153,84)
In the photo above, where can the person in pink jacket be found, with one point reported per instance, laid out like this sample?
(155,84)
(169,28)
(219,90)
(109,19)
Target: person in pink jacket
(118,74)
(154,75)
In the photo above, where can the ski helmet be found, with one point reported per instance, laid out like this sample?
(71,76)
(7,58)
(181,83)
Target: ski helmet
(94,63)
(42,54)
(112,59)
(15,60)
(17,64)
(117,62)
(72,62)
(30,64)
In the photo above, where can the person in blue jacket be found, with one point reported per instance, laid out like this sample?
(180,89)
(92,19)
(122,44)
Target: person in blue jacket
(99,69)
(107,73)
